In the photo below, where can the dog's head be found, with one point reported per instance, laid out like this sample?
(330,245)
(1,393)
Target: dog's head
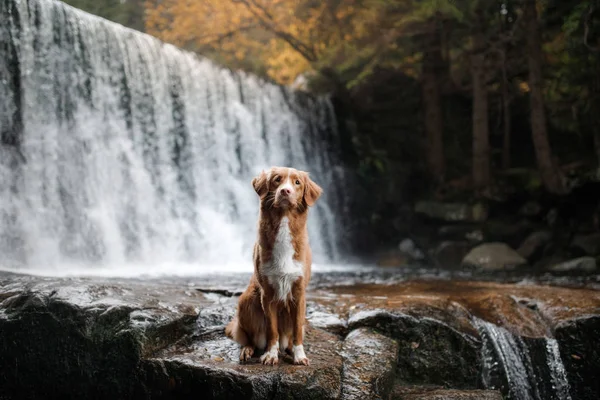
(286,188)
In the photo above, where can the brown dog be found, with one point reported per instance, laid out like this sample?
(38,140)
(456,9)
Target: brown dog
(272,310)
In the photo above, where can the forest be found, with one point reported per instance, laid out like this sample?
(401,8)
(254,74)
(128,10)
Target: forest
(437,98)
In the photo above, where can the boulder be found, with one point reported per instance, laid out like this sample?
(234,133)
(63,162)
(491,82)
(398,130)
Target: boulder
(589,245)
(450,254)
(369,365)
(493,257)
(532,248)
(392,259)
(531,209)
(439,393)
(578,342)
(409,247)
(208,367)
(453,212)
(430,351)
(582,264)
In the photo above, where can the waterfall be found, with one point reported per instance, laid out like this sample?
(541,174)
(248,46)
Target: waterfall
(560,384)
(117,148)
(508,358)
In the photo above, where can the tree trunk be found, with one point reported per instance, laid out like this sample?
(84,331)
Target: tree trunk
(481,144)
(432,103)
(506,116)
(550,173)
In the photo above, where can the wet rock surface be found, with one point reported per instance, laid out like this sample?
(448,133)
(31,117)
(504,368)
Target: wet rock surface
(433,393)
(369,363)
(376,333)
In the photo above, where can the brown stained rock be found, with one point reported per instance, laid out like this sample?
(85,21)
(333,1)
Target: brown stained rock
(369,365)
(526,310)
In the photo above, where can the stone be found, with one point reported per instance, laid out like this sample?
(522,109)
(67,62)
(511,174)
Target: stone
(580,353)
(209,366)
(493,257)
(392,259)
(531,209)
(430,351)
(437,393)
(532,248)
(453,212)
(73,340)
(582,264)
(588,244)
(450,254)
(163,339)
(408,247)
(369,365)
(326,321)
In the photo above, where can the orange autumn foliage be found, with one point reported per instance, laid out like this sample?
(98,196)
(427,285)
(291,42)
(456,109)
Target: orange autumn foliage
(281,39)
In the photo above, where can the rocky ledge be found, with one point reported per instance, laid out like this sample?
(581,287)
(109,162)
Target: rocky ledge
(418,339)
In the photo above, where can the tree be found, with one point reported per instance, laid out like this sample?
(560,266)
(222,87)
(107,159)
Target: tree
(281,39)
(126,12)
(432,99)
(550,173)
(481,145)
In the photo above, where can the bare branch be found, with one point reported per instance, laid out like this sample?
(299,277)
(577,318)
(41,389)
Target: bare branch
(219,37)
(268,22)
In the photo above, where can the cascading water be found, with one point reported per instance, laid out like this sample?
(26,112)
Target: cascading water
(117,148)
(508,358)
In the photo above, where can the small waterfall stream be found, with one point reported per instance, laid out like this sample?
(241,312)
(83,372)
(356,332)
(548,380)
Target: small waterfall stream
(508,365)
(117,148)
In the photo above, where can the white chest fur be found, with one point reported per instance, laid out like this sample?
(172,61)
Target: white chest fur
(282,270)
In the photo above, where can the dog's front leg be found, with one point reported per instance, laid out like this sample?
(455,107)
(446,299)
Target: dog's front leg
(298,311)
(270,357)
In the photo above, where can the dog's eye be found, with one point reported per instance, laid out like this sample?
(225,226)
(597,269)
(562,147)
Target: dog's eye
(297,182)
(277,179)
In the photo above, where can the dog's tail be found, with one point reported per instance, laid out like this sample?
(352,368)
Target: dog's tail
(231,328)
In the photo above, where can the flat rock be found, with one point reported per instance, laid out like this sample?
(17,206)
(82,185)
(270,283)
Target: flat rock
(493,257)
(210,366)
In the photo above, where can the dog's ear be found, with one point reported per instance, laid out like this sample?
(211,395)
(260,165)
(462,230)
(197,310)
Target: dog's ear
(261,184)
(312,191)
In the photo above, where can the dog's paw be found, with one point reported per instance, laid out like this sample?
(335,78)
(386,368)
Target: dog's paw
(246,353)
(299,356)
(270,357)
(301,361)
